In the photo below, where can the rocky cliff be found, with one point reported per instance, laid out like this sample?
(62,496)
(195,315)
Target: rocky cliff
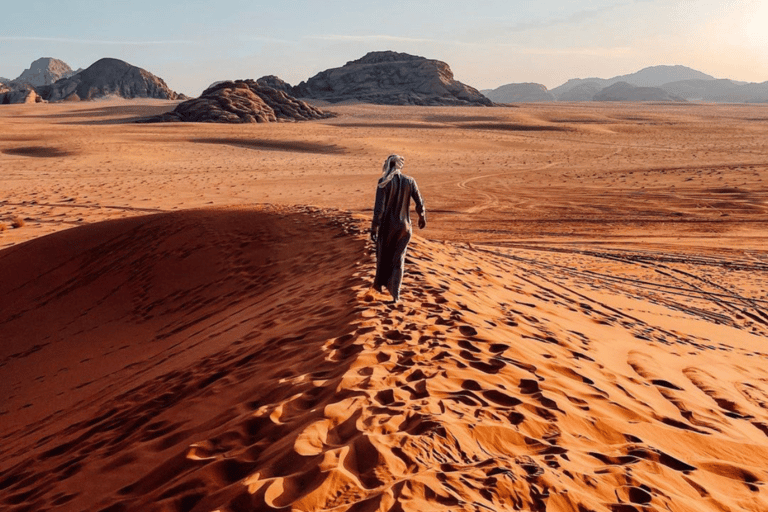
(241,101)
(391,78)
(108,77)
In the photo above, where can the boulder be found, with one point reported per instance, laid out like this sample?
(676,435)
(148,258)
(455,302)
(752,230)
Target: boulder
(391,78)
(108,77)
(241,101)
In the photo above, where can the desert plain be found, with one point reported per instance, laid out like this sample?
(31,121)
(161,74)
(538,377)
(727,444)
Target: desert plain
(187,324)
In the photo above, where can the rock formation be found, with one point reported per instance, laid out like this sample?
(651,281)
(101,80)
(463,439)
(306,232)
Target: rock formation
(20,94)
(44,71)
(391,78)
(108,77)
(622,91)
(519,93)
(275,83)
(241,101)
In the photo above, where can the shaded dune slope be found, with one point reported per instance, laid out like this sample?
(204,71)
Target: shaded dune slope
(503,382)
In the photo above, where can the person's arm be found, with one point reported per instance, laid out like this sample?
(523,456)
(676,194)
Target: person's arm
(378,211)
(416,196)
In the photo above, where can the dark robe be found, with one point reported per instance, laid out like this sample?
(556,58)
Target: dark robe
(392,221)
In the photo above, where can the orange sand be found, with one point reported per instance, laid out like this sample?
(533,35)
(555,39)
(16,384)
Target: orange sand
(584,329)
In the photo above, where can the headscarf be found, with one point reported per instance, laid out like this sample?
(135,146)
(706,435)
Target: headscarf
(391,167)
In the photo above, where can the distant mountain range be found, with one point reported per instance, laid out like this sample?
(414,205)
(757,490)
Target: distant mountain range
(386,78)
(49,79)
(669,83)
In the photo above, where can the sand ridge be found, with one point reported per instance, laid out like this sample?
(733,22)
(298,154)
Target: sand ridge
(502,381)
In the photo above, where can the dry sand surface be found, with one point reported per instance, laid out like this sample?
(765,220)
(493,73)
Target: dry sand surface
(583,324)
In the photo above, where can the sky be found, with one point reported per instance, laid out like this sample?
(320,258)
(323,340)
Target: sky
(487,43)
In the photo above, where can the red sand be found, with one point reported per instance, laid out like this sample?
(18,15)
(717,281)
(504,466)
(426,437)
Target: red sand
(234,358)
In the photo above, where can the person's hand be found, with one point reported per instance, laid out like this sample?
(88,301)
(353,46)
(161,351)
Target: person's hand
(422,222)
(374,236)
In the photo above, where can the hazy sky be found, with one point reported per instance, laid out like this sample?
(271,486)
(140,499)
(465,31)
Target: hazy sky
(193,43)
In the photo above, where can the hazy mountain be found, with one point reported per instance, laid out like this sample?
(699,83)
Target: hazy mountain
(701,89)
(623,91)
(654,76)
(519,93)
(581,92)
(44,71)
(720,91)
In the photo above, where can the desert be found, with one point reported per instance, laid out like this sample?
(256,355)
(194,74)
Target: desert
(187,322)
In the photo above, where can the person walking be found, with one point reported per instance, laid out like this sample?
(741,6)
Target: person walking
(391,225)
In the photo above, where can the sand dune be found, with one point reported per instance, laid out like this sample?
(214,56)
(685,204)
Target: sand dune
(583,330)
(235,359)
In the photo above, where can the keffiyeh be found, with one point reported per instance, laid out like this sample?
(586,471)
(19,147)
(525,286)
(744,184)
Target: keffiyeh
(391,168)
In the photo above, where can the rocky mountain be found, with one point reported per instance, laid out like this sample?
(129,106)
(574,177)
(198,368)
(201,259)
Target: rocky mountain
(622,91)
(519,93)
(241,101)
(4,81)
(44,71)
(391,78)
(108,77)
(654,76)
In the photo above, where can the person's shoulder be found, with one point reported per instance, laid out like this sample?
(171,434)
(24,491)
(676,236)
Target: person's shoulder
(408,178)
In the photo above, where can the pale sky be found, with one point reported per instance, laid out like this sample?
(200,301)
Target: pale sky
(487,43)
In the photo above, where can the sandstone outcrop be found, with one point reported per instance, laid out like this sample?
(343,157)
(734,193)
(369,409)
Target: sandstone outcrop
(108,77)
(275,83)
(391,78)
(20,94)
(519,93)
(241,101)
(622,91)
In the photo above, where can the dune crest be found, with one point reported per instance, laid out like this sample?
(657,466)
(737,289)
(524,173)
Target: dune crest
(507,379)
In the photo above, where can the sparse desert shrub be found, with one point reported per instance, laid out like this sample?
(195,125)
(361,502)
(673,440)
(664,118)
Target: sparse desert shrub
(17,222)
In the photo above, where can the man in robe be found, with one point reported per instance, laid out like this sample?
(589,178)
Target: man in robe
(391,226)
